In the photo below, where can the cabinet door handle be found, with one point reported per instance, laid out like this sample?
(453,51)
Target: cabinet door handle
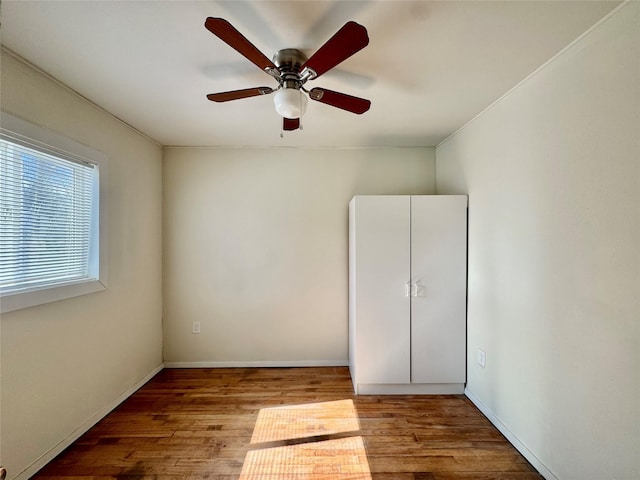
(407,289)
(414,293)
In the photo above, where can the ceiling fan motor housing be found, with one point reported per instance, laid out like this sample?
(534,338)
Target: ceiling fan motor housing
(289,62)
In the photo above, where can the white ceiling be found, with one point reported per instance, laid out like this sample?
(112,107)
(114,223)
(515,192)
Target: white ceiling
(429,67)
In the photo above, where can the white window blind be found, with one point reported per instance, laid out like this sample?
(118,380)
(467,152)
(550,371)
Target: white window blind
(48,218)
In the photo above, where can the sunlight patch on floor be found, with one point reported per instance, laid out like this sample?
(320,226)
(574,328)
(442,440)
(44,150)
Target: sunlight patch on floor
(304,421)
(318,441)
(339,459)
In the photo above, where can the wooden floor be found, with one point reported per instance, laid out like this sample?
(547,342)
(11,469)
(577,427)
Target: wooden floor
(286,423)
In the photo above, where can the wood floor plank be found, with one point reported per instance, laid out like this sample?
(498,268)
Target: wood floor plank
(286,423)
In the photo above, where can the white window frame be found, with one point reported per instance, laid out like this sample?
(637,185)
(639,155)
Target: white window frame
(38,138)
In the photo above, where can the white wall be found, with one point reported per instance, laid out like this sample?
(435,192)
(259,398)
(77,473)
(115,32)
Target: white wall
(553,176)
(66,362)
(256,246)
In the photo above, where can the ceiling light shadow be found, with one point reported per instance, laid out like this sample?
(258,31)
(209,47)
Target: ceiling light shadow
(254,26)
(228,70)
(336,15)
(356,80)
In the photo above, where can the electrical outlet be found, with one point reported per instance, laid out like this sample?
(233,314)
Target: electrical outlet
(196,327)
(482,358)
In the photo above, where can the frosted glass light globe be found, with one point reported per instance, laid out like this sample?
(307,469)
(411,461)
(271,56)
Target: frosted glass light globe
(290,102)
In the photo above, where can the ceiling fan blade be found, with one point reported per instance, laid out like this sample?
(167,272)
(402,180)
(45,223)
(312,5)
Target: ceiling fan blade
(351,38)
(238,94)
(340,100)
(232,37)
(290,123)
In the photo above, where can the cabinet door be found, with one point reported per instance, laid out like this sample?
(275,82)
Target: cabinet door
(439,268)
(382,321)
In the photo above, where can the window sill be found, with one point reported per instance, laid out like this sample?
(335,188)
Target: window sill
(20,300)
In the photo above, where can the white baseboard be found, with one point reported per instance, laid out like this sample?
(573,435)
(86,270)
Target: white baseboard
(526,453)
(261,363)
(82,429)
(410,389)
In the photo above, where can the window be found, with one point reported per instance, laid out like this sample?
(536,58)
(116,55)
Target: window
(50,217)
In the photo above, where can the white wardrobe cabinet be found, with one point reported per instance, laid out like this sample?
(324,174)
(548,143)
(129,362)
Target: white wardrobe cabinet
(407,293)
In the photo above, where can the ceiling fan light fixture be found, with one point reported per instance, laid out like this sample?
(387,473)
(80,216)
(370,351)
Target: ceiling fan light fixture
(291,68)
(290,102)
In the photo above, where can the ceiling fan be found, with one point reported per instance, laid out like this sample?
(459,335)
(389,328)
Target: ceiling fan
(292,70)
